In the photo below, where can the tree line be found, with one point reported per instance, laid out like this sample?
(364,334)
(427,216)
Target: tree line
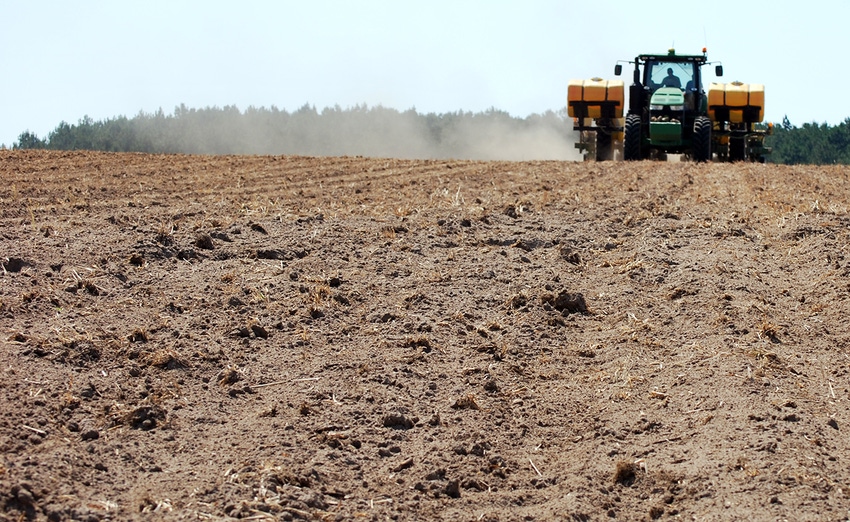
(812,143)
(380,132)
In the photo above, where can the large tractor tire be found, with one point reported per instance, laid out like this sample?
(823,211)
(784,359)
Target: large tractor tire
(632,139)
(701,140)
(604,151)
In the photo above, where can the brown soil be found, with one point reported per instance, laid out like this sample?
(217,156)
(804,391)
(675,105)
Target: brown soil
(344,338)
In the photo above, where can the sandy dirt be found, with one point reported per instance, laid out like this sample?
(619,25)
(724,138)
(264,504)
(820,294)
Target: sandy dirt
(289,338)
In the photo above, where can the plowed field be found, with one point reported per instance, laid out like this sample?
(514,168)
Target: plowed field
(205,337)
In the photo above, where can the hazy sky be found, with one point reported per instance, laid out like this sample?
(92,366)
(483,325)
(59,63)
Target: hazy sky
(62,60)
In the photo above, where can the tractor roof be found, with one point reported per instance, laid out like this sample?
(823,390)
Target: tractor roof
(671,56)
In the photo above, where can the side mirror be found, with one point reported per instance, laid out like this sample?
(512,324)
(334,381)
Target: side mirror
(718,70)
(618,70)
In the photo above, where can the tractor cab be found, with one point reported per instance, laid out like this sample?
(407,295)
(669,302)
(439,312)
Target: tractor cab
(674,78)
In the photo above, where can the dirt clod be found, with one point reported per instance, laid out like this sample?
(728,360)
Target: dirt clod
(13,264)
(566,302)
(466,402)
(398,421)
(271,253)
(625,473)
(229,376)
(204,241)
(259,331)
(145,417)
(452,489)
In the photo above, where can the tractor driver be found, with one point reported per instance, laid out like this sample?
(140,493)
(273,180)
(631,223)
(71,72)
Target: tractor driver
(671,80)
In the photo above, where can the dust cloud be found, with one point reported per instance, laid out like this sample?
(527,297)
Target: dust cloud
(358,131)
(538,139)
(382,132)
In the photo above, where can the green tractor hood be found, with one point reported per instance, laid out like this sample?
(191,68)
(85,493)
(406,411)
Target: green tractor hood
(665,128)
(668,96)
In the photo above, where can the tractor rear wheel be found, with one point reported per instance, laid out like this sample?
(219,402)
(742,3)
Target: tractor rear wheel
(632,139)
(701,141)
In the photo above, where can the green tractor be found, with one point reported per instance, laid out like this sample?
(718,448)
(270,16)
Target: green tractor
(669,112)
(668,109)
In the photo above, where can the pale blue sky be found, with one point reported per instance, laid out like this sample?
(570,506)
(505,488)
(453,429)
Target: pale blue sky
(62,60)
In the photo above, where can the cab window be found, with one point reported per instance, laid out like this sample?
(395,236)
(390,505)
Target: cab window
(670,74)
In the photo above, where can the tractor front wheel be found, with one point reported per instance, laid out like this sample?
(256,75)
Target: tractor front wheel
(632,139)
(702,139)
